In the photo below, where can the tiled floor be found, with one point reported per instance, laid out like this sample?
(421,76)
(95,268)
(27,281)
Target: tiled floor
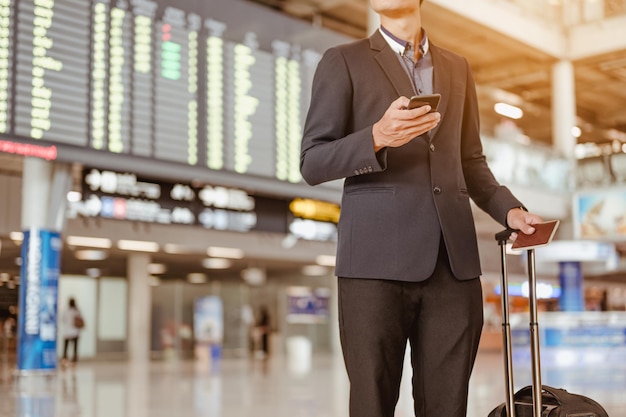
(242,388)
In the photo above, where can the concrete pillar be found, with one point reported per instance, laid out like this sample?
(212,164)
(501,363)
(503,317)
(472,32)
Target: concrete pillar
(42,220)
(36,177)
(137,393)
(373,20)
(139,306)
(44,194)
(563,108)
(572,296)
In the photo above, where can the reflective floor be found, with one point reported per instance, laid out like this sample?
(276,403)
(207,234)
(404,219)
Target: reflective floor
(242,387)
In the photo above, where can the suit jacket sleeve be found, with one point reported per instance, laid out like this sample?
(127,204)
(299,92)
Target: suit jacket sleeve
(328,152)
(492,197)
(410,196)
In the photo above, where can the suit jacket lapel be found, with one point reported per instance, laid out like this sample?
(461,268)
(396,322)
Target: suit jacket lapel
(388,61)
(441,81)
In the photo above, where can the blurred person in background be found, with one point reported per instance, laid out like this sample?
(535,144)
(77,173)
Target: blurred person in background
(263,326)
(72,324)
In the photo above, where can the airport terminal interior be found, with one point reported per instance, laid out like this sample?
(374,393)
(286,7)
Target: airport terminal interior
(149,171)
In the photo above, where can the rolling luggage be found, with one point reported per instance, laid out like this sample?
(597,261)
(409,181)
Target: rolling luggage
(536,400)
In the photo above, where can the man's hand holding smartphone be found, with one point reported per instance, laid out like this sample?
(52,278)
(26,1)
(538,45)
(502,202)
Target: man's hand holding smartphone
(431,100)
(399,125)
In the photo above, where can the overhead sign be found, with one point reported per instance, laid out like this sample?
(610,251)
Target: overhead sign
(314,219)
(307,305)
(48,153)
(308,208)
(123,196)
(158,79)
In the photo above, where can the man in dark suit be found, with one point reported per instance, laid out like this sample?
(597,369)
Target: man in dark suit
(407,256)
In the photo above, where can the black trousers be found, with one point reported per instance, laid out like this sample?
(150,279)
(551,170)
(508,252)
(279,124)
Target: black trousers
(74,342)
(442,320)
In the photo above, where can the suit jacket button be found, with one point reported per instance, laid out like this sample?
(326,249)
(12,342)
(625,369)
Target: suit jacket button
(432,147)
(356,172)
(437,190)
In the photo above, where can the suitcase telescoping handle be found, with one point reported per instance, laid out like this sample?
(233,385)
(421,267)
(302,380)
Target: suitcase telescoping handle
(501,238)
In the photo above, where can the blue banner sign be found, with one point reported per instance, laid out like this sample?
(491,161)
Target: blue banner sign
(571,279)
(37,321)
(601,336)
(307,305)
(574,337)
(589,340)
(208,322)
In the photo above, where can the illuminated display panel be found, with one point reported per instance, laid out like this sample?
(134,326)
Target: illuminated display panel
(99,75)
(176,87)
(281,108)
(214,95)
(143,78)
(262,143)
(163,80)
(308,63)
(52,70)
(249,129)
(239,106)
(120,67)
(6,63)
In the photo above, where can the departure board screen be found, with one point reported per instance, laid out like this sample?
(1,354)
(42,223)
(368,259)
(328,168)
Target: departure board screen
(52,70)
(154,79)
(6,64)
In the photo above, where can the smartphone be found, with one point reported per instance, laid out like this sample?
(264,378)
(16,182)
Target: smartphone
(431,99)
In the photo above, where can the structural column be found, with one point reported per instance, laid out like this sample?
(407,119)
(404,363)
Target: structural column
(44,189)
(35,193)
(44,194)
(373,20)
(572,297)
(563,108)
(140,300)
(563,120)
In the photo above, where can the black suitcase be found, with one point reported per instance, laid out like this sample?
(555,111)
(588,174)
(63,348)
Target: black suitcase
(535,400)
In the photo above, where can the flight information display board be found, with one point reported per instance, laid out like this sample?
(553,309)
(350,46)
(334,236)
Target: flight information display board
(154,80)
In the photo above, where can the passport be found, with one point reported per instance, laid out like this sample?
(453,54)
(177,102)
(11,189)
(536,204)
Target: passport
(544,232)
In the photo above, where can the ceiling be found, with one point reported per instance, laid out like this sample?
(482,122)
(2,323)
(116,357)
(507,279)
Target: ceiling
(502,67)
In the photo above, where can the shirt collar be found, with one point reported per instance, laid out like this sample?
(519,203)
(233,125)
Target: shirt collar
(401,46)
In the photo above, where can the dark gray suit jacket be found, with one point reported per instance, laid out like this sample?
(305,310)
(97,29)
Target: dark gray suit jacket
(397,203)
